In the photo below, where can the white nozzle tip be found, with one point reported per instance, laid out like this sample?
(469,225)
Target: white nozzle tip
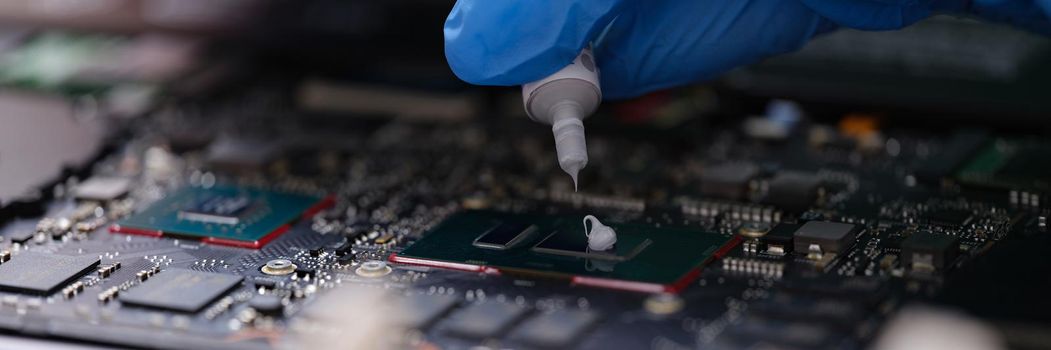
(572,166)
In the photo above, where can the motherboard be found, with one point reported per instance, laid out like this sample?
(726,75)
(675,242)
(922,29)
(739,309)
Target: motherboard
(251,224)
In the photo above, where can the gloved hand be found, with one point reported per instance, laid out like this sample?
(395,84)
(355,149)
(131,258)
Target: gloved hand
(647,45)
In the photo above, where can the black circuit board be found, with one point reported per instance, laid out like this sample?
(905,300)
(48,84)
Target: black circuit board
(905,232)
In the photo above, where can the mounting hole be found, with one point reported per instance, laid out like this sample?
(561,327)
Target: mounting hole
(373,268)
(279,267)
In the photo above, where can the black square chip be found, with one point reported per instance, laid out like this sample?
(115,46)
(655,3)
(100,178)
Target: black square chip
(827,236)
(42,273)
(181,290)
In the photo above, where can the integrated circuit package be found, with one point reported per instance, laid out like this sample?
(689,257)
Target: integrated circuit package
(42,273)
(243,219)
(822,236)
(239,217)
(181,290)
(645,258)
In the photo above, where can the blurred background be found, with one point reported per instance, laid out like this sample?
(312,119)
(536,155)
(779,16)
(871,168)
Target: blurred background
(112,50)
(77,70)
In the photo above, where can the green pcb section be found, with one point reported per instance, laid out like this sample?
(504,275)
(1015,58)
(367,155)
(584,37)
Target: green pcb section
(643,253)
(234,213)
(1010,164)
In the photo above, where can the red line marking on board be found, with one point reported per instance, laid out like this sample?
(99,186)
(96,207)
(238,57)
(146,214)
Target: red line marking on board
(691,276)
(683,282)
(726,248)
(323,204)
(631,286)
(394,258)
(134,231)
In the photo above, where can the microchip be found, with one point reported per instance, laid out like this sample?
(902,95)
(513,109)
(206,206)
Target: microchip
(828,236)
(40,273)
(794,191)
(102,188)
(645,258)
(729,181)
(928,251)
(557,329)
(240,217)
(181,290)
(485,320)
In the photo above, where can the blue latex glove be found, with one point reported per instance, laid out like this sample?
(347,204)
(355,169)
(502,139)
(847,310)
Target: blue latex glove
(647,45)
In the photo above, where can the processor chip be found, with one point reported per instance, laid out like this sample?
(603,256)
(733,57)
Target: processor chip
(41,273)
(181,290)
(232,216)
(645,258)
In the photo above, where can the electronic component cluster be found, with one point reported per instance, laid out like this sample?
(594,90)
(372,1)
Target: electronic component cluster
(239,237)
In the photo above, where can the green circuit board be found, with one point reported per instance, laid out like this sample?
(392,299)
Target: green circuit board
(231,216)
(645,257)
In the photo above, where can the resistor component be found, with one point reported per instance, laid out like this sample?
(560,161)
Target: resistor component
(105,270)
(109,294)
(772,269)
(72,290)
